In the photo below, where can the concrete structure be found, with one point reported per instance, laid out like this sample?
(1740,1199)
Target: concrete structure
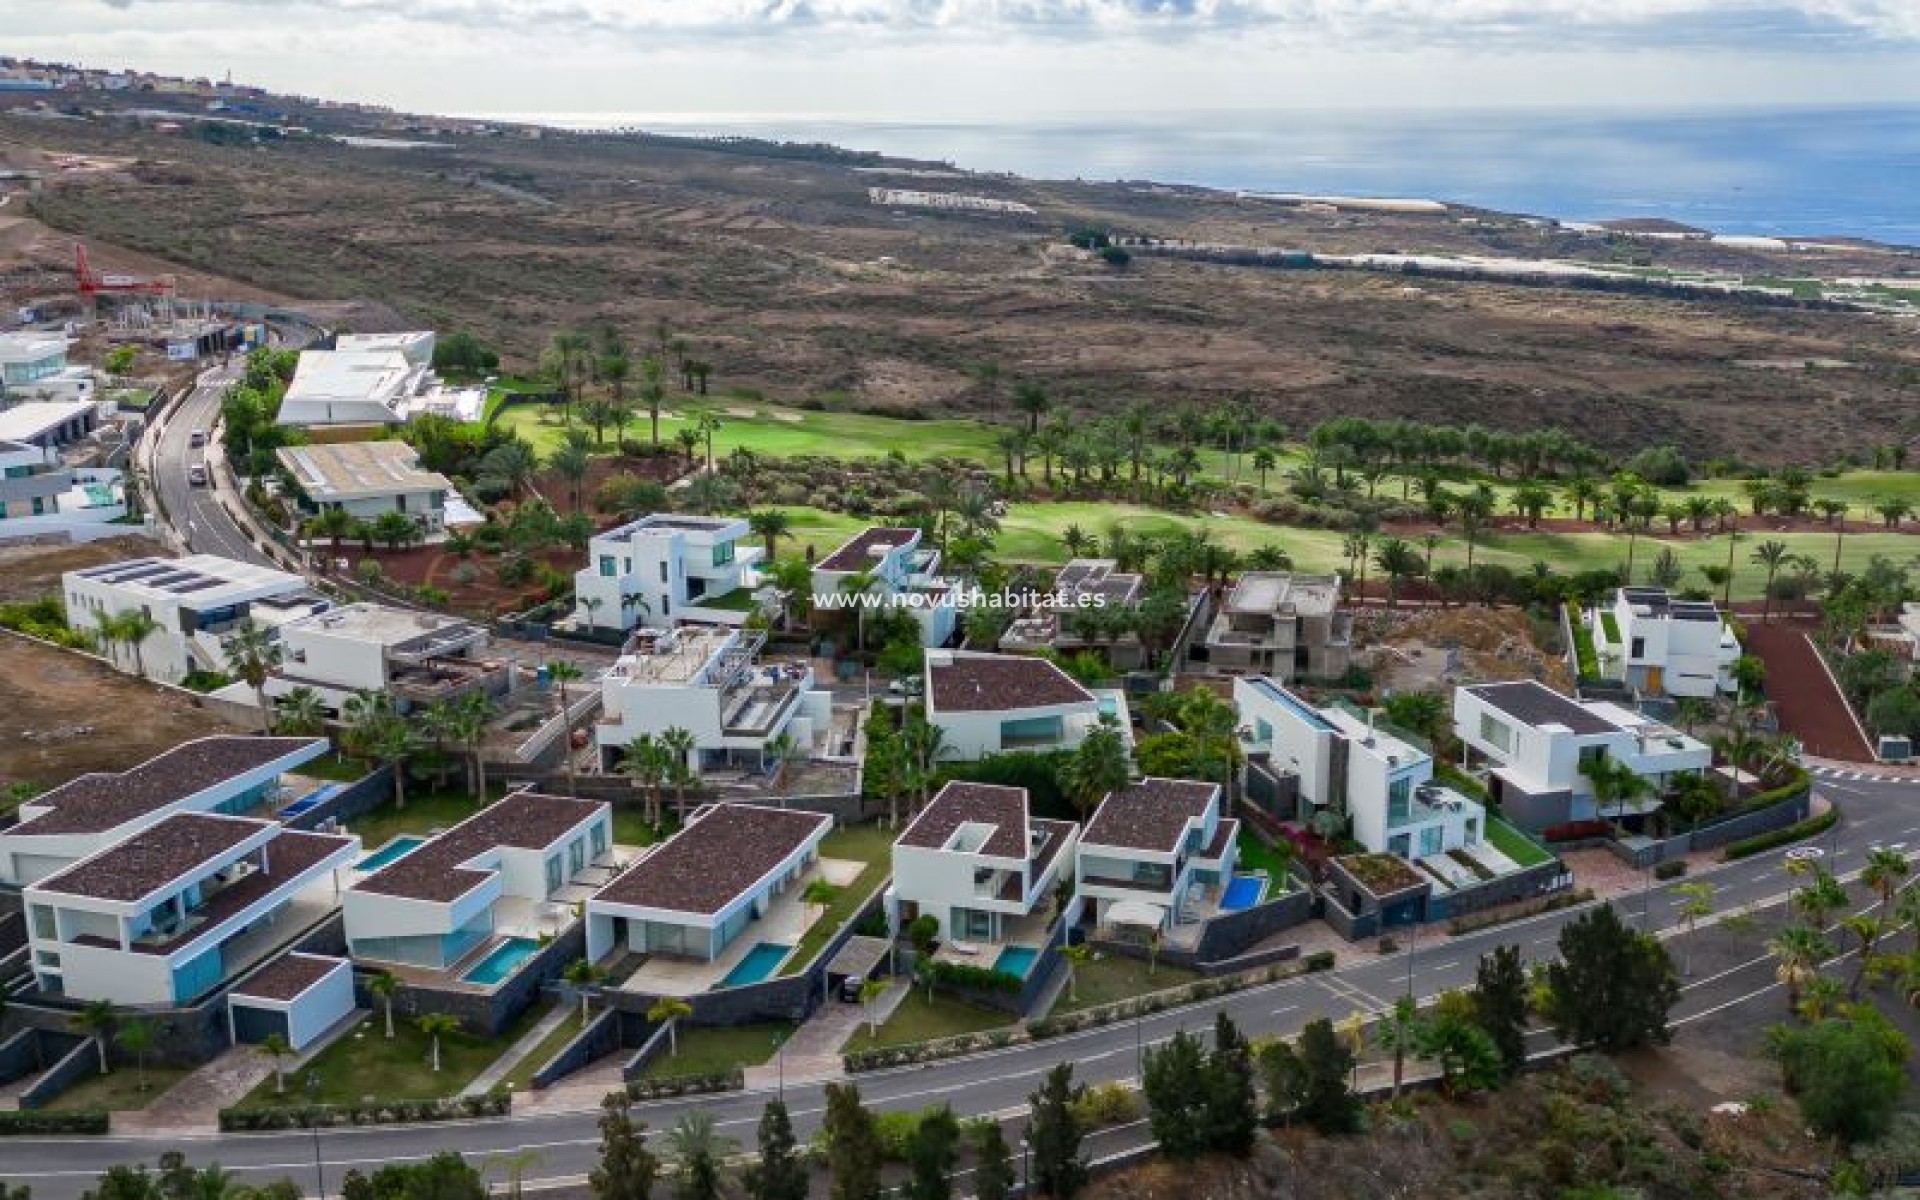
(709,681)
(29,356)
(197,601)
(415,657)
(298,996)
(1281,624)
(224,775)
(416,346)
(367,480)
(374,379)
(50,424)
(901,573)
(514,869)
(1377,784)
(1533,741)
(665,568)
(1079,615)
(978,862)
(990,703)
(1661,646)
(1149,846)
(701,889)
(178,909)
(39,491)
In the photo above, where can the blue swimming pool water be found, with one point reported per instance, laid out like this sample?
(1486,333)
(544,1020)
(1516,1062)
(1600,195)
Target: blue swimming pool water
(1244,892)
(1016,960)
(502,961)
(398,848)
(316,796)
(760,962)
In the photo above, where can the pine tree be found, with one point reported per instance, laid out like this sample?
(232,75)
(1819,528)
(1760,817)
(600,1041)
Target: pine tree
(627,1169)
(1230,1113)
(1612,987)
(853,1145)
(1059,1167)
(1175,1083)
(992,1164)
(931,1154)
(1500,1004)
(780,1174)
(1310,1082)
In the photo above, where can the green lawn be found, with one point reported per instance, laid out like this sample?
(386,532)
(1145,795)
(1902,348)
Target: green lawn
(122,1089)
(1514,844)
(424,811)
(1113,977)
(336,766)
(1256,855)
(708,1051)
(869,844)
(770,429)
(739,599)
(364,1063)
(921,1020)
(521,1077)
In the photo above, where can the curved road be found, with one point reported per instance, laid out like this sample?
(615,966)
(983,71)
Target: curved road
(998,1081)
(194,513)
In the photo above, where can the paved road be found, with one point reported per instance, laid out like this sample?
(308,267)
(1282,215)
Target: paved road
(193,512)
(1877,813)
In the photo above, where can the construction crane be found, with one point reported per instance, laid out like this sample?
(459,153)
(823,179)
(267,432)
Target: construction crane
(92,284)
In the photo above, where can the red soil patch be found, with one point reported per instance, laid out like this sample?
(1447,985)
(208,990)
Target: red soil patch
(1809,705)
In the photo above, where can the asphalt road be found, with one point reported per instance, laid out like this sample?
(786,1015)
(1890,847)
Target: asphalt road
(999,1081)
(195,512)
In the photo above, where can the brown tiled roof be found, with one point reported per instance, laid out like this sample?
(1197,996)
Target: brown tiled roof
(291,853)
(1223,835)
(154,857)
(961,803)
(1057,834)
(857,554)
(524,820)
(999,683)
(721,854)
(1149,815)
(97,803)
(288,976)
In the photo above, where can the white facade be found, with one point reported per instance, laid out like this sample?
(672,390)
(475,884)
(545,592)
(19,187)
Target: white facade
(1534,740)
(368,480)
(900,572)
(975,860)
(51,423)
(374,379)
(417,657)
(1149,846)
(197,601)
(40,494)
(1381,784)
(658,569)
(319,996)
(994,703)
(1665,646)
(709,681)
(29,356)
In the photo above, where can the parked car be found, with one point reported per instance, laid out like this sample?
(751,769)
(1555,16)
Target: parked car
(197,475)
(912,685)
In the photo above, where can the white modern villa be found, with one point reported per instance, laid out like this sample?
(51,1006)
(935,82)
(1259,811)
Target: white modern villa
(1149,847)
(898,571)
(197,601)
(666,568)
(367,480)
(992,703)
(1659,645)
(416,658)
(977,861)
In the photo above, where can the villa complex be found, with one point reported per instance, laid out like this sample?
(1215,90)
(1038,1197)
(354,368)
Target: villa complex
(1659,645)
(891,567)
(667,568)
(1279,624)
(991,703)
(977,862)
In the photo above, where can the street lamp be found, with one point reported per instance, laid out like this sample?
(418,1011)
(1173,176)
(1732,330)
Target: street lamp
(1413,943)
(780,1065)
(313,1127)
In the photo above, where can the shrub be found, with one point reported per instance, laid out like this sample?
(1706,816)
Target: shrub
(1111,1103)
(1319,960)
(387,1112)
(33,1121)
(1760,843)
(686,1085)
(1671,869)
(977,978)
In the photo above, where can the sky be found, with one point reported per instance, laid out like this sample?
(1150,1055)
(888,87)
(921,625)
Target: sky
(994,59)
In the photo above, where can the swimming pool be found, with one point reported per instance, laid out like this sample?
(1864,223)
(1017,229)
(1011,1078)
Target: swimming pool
(1016,961)
(396,849)
(1244,892)
(760,962)
(316,796)
(502,961)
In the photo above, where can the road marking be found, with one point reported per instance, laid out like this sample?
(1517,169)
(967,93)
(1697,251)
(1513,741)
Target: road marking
(1445,966)
(1285,1008)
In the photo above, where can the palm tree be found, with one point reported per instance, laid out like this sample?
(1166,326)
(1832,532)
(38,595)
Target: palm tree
(1403,1032)
(384,987)
(583,974)
(334,523)
(135,628)
(1581,491)
(770,525)
(645,761)
(573,464)
(653,390)
(1263,462)
(1820,998)
(136,1036)
(253,653)
(560,673)
(1690,711)
(1820,898)
(1769,555)
(300,713)
(1096,768)
(1398,561)
(392,744)
(668,1010)
(278,1049)
(871,990)
(820,893)
(678,745)
(436,1026)
(1866,930)
(467,729)
(1800,950)
(1885,869)
(516,1163)
(697,1147)
(1696,901)
(1031,399)
(1076,956)
(97,1019)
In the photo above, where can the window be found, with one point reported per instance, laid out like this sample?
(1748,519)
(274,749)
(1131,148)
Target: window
(400,503)
(599,839)
(553,874)
(722,554)
(1399,799)
(606,566)
(577,856)
(1431,841)
(1496,733)
(663,572)
(1262,731)
(1639,648)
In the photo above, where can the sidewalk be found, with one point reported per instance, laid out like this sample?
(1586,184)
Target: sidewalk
(813,1052)
(510,1058)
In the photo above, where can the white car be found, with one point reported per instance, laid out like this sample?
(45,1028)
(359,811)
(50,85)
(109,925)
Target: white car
(1805,853)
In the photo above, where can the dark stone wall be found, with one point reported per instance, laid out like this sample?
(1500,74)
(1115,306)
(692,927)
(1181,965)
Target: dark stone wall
(1542,880)
(81,1062)
(601,1037)
(34,1050)
(356,799)
(1793,809)
(485,1013)
(1230,935)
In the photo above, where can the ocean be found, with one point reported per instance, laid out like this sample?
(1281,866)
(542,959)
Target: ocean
(1807,172)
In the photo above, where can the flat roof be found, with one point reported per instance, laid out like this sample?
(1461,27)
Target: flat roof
(521,821)
(378,375)
(667,523)
(1003,809)
(387,626)
(1268,591)
(175,578)
(154,857)
(356,470)
(1292,703)
(999,683)
(1149,815)
(24,422)
(722,852)
(99,802)
(26,345)
(1538,705)
(288,977)
(863,549)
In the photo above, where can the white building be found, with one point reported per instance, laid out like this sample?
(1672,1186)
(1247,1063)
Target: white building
(50,424)
(1661,646)
(1380,784)
(709,681)
(978,862)
(702,888)
(666,568)
(297,996)
(197,602)
(180,908)
(991,703)
(1281,624)
(1149,846)
(40,493)
(416,346)
(509,871)
(29,356)
(900,572)
(1533,741)
(367,480)
(224,775)
(374,379)
(415,657)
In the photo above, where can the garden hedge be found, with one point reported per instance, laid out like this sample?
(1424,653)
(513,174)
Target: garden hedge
(667,1087)
(1762,842)
(381,1112)
(35,1121)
